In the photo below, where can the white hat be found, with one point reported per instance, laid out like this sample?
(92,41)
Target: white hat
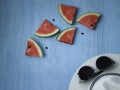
(110,78)
(109,81)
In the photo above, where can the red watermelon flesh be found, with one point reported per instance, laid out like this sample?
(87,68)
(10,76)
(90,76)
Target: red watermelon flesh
(89,20)
(33,49)
(46,29)
(67,12)
(67,36)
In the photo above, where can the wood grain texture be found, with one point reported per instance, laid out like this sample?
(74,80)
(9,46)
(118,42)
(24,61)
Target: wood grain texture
(19,19)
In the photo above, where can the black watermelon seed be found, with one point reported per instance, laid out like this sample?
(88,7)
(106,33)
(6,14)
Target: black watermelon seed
(46,47)
(53,19)
(104,62)
(85,73)
(82,33)
(29,46)
(91,25)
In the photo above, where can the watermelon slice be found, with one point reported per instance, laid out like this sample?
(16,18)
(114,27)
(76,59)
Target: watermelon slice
(67,35)
(89,19)
(46,29)
(33,49)
(67,12)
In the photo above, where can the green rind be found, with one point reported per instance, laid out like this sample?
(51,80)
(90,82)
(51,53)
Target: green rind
(64,31)
(61,14)
(86,14)
(37,46)
(47,35)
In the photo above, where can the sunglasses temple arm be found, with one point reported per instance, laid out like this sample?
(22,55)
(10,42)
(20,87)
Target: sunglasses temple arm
(97,73)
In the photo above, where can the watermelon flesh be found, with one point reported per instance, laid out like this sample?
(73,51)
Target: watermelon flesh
(67,36)
(89,20)
(67,12)
(46,29)
(33,49)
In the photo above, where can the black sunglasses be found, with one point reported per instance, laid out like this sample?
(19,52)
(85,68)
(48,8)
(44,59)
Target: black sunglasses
(102,63)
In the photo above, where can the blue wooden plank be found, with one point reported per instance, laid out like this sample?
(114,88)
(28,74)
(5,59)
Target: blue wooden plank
(19,19)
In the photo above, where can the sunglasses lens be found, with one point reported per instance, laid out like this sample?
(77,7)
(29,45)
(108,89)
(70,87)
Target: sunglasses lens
(104,62)
(85,73)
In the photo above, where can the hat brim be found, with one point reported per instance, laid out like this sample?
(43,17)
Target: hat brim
(75,85)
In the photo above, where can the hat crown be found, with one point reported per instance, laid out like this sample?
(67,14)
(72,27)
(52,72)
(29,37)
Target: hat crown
(110,82)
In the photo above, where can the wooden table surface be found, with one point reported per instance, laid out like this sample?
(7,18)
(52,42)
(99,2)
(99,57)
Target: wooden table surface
(19,19)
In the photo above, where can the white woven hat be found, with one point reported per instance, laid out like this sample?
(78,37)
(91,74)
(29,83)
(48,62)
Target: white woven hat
(107,80)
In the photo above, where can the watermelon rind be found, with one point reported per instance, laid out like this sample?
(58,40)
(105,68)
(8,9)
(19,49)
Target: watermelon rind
(87,14)
(37,46)
(61,14)
(64,31)
(47,35)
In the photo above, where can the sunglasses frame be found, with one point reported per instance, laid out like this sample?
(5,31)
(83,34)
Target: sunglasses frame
(94,72)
